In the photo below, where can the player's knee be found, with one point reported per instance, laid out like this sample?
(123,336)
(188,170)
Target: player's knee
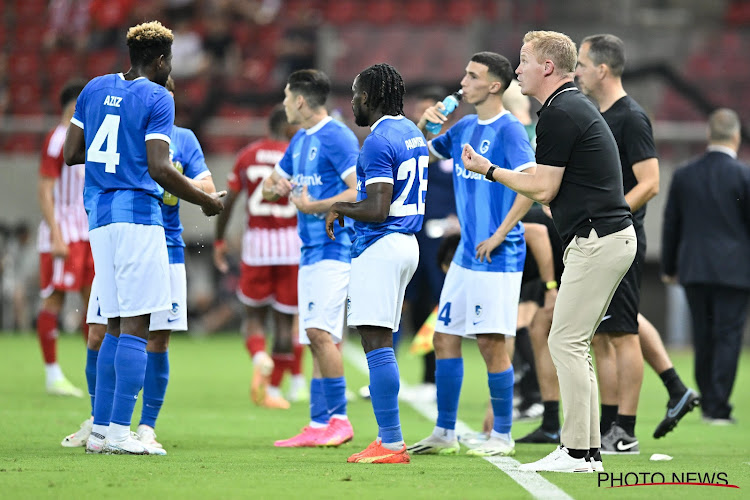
(158,341)
(96,336)
(446,346)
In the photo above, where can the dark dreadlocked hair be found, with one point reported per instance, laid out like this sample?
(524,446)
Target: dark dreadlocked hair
(385,88)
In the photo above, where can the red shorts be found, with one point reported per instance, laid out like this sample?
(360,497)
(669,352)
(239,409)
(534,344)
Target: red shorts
(269,285)
(66,275)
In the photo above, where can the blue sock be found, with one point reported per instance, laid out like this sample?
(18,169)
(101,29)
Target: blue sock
(154,386)
(335,394)
(91,357)
(105,380)
(130,367)
(449,375)
(501,395)
(384,386)
(397,338)
(318,407)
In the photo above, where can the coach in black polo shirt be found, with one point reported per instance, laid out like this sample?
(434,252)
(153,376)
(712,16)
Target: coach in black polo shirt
(579,176)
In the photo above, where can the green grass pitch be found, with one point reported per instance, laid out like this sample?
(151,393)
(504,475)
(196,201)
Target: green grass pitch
(220,445)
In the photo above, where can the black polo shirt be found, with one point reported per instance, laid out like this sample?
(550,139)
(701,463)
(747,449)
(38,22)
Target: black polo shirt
(571,133)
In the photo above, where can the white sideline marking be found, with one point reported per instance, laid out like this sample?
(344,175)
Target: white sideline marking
(532,482)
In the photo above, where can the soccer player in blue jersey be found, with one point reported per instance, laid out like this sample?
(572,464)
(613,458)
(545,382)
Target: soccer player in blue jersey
(186,156)
(122,125)
(391,189)
(481,290)
(320,165)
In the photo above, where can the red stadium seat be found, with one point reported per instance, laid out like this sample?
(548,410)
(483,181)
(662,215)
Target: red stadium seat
(422,12)
(22,143)
(381,12)
(33,11)
(63,64)
(103,62)
(341,12)
(26,98)
(24,66)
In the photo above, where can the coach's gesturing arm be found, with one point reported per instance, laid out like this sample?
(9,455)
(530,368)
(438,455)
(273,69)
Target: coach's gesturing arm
(542,185)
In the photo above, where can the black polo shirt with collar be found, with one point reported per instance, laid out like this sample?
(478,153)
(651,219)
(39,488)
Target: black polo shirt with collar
(571,133)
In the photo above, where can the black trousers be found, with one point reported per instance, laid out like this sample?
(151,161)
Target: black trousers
(718,314)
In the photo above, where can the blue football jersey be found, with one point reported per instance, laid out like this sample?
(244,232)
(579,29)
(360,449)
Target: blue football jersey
(321,158)
(395,152)
(118,117)
(483,205)
(186,156)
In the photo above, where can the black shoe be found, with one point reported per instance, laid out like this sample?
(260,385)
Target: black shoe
(540,436)
(676,409)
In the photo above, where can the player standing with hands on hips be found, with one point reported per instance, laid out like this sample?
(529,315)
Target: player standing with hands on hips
(391,189)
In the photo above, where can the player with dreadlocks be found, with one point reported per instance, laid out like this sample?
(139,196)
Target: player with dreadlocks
(391,188)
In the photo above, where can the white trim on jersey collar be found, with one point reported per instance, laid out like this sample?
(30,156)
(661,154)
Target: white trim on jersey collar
(386,117)
(322,123)
(494,118)
(123,77)
(722,149)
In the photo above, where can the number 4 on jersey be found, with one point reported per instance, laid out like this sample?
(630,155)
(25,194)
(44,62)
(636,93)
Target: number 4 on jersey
(110,157)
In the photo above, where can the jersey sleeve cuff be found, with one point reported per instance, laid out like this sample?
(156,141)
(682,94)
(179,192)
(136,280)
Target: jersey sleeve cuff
(161,137)
(281,172)
(202,175)
(347,172)
(78,123)
(434,151)
(526,165)
(375,180)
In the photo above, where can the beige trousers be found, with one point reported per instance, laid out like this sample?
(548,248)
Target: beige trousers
(594,267)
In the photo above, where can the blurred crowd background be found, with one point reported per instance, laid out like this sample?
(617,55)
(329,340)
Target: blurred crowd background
(231,59)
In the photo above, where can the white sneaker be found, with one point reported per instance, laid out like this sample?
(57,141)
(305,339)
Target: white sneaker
(147,436)
(63,387)
(131,446)
(494,446)
(433,445)
(596,465)
(79,438)
(96,443)
(558,461)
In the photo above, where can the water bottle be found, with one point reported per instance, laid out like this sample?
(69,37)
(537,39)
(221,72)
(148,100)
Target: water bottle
(450,103)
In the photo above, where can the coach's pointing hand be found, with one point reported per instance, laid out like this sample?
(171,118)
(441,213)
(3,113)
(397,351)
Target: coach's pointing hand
(474,161)
(213,205)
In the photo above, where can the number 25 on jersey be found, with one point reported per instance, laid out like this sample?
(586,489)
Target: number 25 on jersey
(107,132)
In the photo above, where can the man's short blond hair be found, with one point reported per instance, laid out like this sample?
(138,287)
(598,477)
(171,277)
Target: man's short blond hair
(557,47)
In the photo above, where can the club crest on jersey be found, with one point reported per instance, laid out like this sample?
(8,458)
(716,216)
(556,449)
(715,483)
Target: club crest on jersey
(175,308)
(311,306)
(478,310)
(313,153)
(485,146)
(348,305)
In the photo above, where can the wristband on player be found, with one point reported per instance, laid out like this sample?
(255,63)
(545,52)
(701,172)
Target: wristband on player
(489,175)
(219,244)
(551,285)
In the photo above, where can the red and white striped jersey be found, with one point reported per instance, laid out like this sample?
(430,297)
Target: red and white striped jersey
(70,213)
(271,237)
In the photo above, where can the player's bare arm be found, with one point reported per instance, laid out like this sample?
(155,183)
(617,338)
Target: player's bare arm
(542,185)
(220,248)
(45,191)
(305,205)
(275,187)
(537,240)
(520,207)
(205,184)
(647,174)
(374,208)
(74,149)
(161,170)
